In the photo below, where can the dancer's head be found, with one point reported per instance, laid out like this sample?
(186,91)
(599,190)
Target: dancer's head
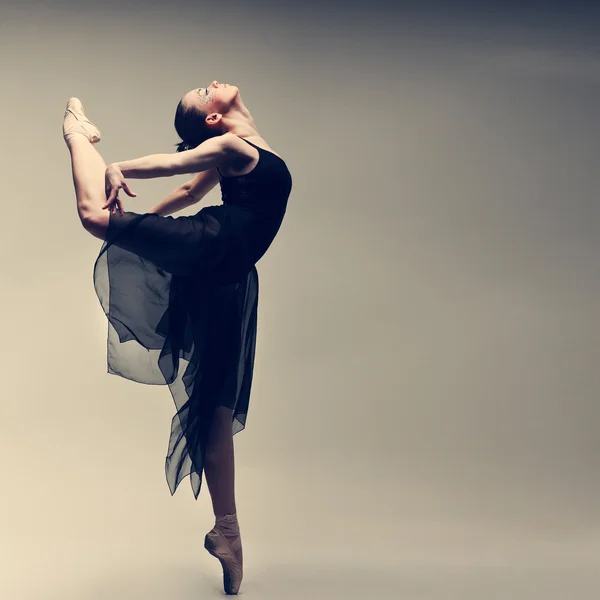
(200,113)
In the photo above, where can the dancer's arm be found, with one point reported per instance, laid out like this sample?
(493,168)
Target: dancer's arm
(207,155)
(211,153)
(187,194)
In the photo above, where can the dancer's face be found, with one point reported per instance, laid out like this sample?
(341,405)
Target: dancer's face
(216,98)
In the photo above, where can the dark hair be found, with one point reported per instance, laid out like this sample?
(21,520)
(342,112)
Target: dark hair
(191,127)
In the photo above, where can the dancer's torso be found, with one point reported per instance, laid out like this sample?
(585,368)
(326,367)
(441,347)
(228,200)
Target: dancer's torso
(261,185)
(254,204)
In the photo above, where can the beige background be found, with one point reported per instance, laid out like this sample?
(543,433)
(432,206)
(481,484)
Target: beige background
(424,418)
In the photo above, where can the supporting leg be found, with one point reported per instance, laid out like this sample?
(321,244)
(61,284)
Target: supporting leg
(219,463)
(223,541)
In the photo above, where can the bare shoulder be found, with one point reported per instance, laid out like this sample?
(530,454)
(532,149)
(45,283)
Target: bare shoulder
(233,143)
(240,157)
(237,145)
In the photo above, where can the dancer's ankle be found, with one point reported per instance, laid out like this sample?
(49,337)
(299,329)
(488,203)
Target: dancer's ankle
(75,138)
(227,516)
(228,525)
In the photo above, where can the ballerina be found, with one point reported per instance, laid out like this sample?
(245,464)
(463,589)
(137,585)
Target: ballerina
(184,291)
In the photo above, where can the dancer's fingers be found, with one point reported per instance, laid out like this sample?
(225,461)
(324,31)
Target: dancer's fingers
(116,206)
(111,206)
(112,196)
(128,191)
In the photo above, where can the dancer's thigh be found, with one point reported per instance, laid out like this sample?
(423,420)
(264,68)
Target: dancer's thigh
(176,245)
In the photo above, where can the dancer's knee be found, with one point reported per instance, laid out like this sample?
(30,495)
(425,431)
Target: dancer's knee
(95,222)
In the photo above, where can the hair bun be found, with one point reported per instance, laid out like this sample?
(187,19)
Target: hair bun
(182,146)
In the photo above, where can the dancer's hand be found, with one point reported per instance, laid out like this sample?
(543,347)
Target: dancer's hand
(113,182)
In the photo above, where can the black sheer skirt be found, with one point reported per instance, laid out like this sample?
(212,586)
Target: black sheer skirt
(181,299)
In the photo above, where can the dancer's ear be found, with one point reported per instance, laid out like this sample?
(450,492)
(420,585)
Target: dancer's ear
(213,118)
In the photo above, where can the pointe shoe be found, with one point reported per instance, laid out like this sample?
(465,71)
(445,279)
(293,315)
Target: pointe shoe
(82,125)
(229,553)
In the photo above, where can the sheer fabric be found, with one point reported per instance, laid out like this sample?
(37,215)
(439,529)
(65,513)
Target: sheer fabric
(181,298)
(172,322)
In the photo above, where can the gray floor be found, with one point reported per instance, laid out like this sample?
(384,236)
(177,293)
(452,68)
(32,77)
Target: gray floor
(114,573)
(139,543)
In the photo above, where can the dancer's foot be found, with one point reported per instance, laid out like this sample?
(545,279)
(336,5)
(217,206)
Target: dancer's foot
(76,123)
(224,543)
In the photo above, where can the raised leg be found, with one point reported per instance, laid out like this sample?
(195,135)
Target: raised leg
(88,169)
